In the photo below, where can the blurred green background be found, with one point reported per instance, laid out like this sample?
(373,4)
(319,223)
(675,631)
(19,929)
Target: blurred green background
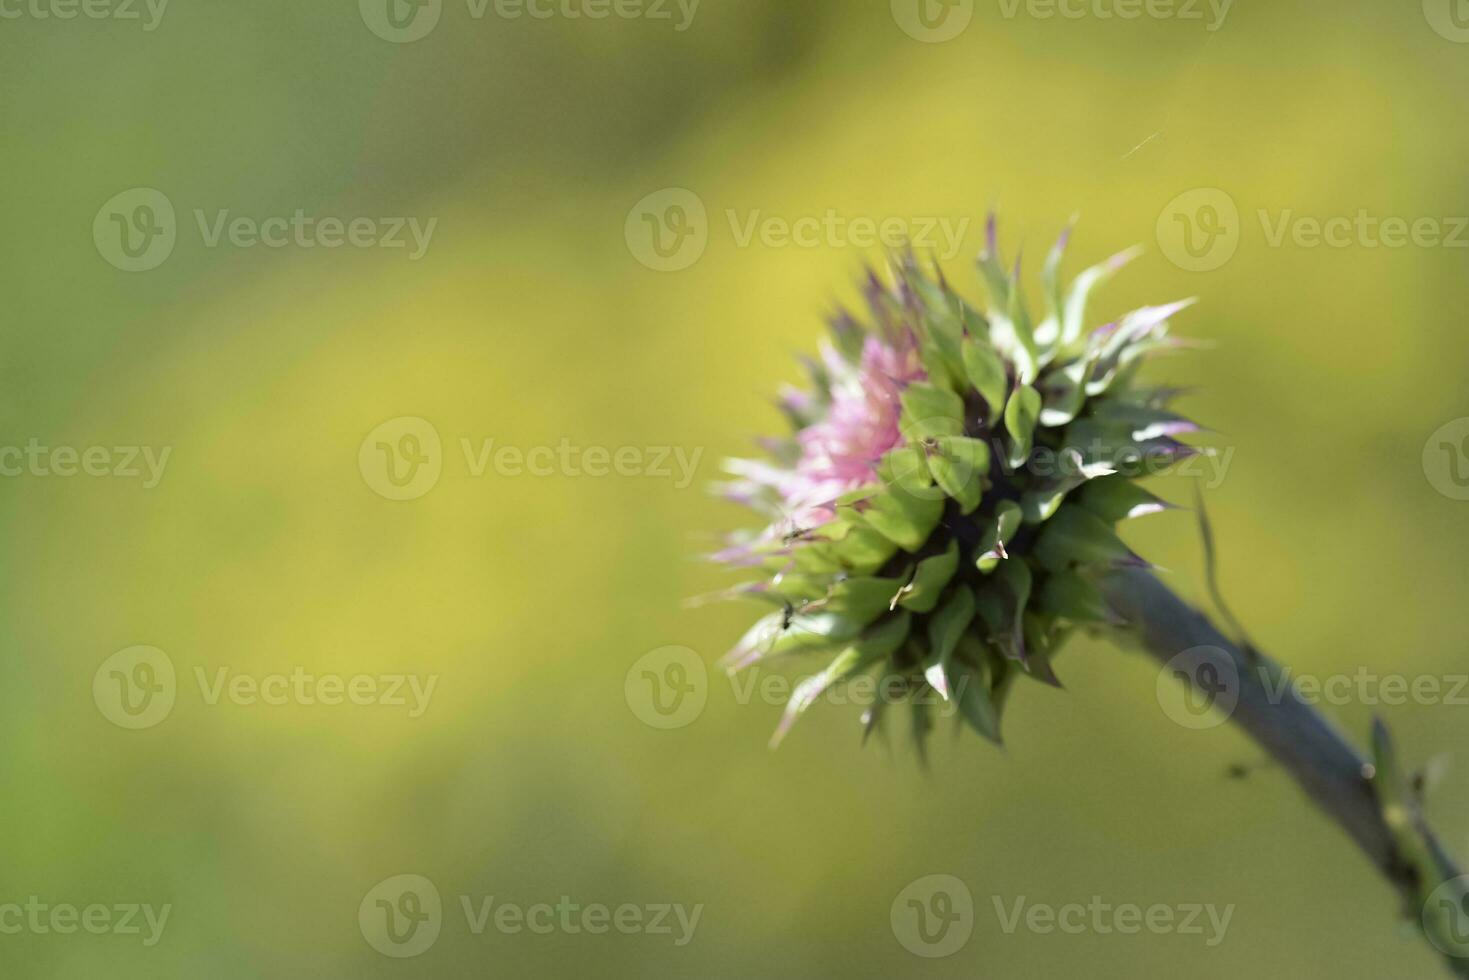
(532,318)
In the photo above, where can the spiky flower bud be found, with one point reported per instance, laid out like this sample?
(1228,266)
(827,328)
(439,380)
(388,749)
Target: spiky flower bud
(952,486)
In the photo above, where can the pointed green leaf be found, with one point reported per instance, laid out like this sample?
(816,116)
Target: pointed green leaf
(848,336)
(930,578)
(946,627)
(863,550)
(1072,471)
(1116,498)
(1039,650)
(781,634)
(931,412)
(791,588)
(1014,342)
(944,315)
(872,718)
(1068,595)
(1048,332)
(1076,536)
(877,644)
(996,281)
(1062,394)
(1119,353)
(1074,317)
(922,709)
(1021,415)
(1001,603)
(1100,441)
(816,558)
(976,699)
(902,517)
(862,599)
(906,468)
(987,374)
(1141,422)
(958,465)
(997,535)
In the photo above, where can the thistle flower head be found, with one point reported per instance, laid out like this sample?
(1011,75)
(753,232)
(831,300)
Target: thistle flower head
(949,493)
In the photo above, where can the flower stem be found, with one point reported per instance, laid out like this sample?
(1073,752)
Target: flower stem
(1388,826)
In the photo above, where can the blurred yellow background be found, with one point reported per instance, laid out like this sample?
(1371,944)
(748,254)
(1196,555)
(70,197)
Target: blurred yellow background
(532,318)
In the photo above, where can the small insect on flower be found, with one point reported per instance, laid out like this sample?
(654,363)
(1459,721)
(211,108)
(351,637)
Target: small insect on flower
(948,495)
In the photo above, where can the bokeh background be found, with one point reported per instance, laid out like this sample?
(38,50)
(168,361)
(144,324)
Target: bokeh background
(533,318)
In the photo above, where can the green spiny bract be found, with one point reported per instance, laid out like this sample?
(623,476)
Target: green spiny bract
(950,493)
